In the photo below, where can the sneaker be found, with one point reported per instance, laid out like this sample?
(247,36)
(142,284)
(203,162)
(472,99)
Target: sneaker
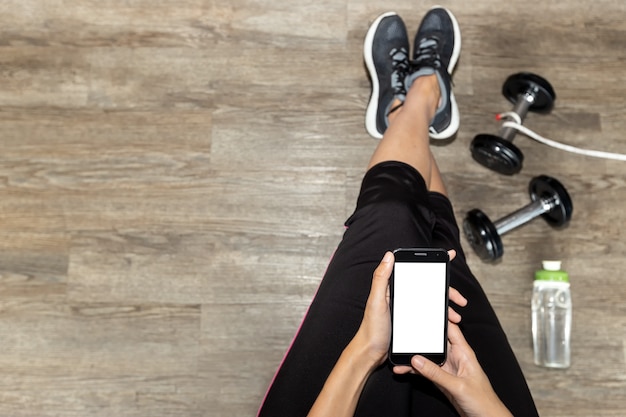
(386,54)
(436,51)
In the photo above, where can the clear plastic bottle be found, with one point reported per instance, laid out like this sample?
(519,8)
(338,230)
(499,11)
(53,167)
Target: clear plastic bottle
(551,316)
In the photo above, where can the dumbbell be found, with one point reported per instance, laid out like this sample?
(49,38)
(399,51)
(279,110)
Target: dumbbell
(528,92)
(549,199)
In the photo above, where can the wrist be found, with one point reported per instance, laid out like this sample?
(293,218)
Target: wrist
(364,354)
(491,405)
(498,409)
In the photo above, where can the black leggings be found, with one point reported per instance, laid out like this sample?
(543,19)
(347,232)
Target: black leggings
(394,209)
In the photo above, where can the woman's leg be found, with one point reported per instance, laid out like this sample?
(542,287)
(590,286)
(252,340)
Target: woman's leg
(407,139)
(395,209)
(392,211)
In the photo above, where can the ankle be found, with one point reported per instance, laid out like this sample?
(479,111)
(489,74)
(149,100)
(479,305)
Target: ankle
(426,88)
(396,108)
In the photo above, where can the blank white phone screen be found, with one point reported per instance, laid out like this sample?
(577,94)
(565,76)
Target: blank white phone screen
(419,307)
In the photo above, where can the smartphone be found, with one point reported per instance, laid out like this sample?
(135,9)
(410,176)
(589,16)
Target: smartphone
(419,305)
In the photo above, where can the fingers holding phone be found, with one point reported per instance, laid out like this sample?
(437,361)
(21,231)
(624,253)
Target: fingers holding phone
(375,329)
(425,337)
(458,299)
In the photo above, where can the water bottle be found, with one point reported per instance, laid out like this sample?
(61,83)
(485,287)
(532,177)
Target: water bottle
(551,316)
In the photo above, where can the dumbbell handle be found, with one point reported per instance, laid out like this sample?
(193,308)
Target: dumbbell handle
(524,215)
(524,101)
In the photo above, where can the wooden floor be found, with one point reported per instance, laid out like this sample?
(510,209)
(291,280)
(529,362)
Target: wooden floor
(174,177)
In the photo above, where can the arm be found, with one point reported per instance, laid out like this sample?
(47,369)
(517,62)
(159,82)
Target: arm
(342,389)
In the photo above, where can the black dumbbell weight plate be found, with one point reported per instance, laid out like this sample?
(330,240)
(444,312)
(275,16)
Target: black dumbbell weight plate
(539,87)
(548,188)
(482,235)
(497,154)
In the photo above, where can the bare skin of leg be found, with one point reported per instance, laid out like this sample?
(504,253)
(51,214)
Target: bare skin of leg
(406,138)
(436,182)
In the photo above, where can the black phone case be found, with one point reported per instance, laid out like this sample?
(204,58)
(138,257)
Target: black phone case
(431,255)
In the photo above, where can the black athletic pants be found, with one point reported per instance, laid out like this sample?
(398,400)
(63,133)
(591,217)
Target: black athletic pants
(394,209)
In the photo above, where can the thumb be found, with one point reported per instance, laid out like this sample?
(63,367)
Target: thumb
(382,273)
(431,371)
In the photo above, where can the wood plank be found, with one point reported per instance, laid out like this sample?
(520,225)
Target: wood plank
(175,177)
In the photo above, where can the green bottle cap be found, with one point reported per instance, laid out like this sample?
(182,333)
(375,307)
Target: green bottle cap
(551,272)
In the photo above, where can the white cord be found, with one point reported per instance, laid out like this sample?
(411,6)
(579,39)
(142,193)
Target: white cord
(517,125)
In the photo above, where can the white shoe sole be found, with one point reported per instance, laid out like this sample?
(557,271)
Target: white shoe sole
(453,127)
(372,106)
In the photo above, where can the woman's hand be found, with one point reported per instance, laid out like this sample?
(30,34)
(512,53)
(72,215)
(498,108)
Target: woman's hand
(461,378)
(374,335)
(367,350)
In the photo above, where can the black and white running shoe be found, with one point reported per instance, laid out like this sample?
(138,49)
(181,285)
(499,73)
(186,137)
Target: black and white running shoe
(385,51)
(437,48)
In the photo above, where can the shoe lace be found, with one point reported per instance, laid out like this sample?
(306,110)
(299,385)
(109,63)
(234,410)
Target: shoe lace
(426,55)
(401,68)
